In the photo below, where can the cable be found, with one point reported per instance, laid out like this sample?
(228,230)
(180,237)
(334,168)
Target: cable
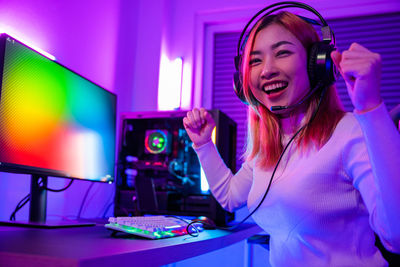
(111,202)
(19,206)
(107,208)
(184,179)
(189,226)
(60,190)
(84,199)
(277,164)
(27,198)
(269,184)
(22,203)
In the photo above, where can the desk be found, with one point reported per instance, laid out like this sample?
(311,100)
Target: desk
(94,246)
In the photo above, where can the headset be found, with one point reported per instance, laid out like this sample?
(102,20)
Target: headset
(321,70)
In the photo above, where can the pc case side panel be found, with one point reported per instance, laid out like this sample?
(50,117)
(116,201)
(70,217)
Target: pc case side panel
(167,181)
(226,145)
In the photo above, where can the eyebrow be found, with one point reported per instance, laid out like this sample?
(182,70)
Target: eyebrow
(274,46)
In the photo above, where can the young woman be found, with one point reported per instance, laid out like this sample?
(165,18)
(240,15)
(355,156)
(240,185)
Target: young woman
(338,182)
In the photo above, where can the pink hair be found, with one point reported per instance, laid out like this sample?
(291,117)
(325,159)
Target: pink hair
(264,131)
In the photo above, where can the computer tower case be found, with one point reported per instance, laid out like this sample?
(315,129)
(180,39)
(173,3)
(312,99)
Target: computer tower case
(158,171)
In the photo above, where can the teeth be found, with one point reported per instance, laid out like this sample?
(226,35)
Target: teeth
(274,86)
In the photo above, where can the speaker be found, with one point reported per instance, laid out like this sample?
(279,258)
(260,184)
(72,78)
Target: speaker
(320,67)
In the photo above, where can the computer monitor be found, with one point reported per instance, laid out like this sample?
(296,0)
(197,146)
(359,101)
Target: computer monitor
(53,122)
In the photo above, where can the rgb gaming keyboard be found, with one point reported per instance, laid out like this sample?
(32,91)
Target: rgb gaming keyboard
(153,227)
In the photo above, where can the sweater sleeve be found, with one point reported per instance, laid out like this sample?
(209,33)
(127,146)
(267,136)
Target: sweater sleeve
(230,190)
(383,145)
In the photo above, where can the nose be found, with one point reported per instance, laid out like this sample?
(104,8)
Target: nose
(269,69)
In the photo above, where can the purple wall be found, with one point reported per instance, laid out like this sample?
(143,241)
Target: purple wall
(116,44)
(83,36)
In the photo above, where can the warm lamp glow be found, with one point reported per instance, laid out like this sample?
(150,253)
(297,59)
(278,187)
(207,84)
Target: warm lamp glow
(186,97)
(170,84)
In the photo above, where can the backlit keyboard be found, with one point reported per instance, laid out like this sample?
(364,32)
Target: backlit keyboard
(154,227)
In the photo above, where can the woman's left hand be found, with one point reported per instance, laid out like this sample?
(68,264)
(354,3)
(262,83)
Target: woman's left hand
(361,70)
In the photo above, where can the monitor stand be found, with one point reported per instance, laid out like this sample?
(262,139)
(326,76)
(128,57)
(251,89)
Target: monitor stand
(38,208)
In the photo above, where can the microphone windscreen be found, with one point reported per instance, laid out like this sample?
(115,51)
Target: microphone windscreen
(277,108)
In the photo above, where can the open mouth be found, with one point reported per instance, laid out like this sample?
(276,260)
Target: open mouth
(275,87)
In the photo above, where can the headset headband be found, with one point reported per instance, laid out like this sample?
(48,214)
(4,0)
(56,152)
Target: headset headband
(320,68)
(327,34)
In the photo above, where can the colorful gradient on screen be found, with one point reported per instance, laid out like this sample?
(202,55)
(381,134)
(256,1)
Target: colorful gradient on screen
(54,120)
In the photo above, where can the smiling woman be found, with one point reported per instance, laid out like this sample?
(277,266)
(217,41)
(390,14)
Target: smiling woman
(278,62)
(277,52)
(319,181)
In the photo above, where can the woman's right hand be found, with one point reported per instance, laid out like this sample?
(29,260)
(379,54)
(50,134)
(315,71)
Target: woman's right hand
(199,125)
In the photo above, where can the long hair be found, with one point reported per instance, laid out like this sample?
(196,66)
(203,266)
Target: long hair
(264,130)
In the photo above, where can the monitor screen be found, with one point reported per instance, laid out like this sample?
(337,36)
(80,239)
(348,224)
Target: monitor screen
(53,121)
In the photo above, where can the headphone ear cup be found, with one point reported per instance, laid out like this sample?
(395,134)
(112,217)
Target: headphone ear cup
(320,66)
(237,80)
(238,87)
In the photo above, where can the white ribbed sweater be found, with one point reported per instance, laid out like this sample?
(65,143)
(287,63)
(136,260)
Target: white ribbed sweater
(324,205)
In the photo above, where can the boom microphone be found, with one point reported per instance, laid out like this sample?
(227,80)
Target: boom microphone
(307,96)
